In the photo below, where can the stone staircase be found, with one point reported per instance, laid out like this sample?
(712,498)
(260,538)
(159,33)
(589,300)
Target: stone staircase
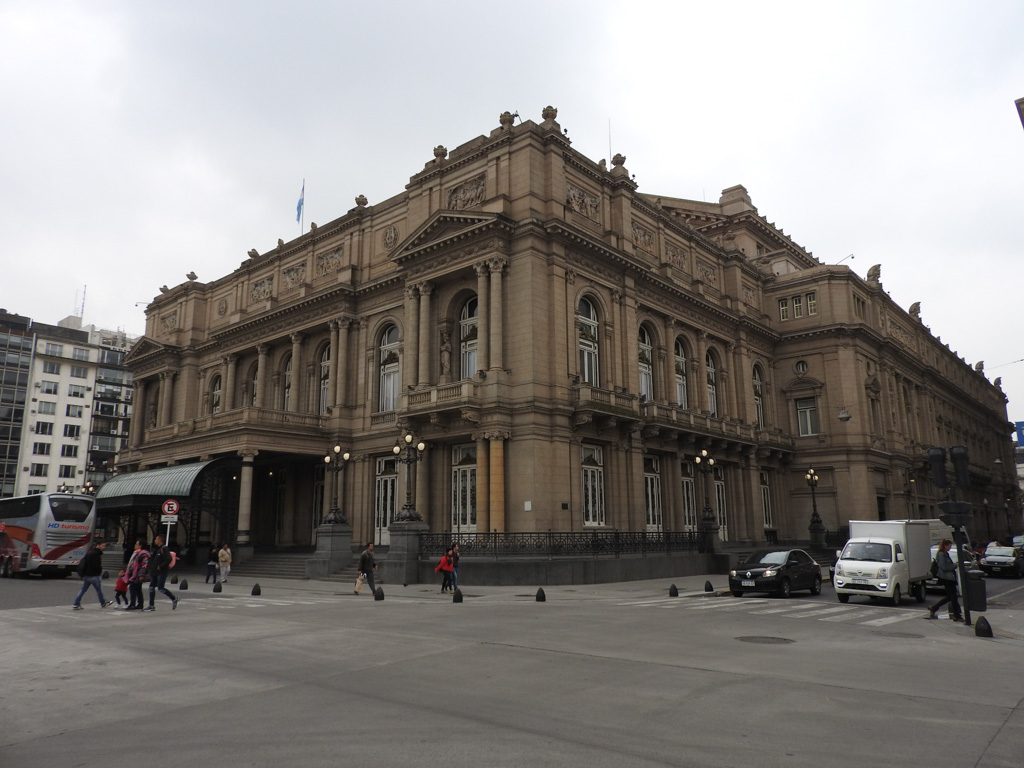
(286,565)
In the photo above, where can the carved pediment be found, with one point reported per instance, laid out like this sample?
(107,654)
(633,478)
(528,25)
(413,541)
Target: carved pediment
(145,347)
(803,384)
(447,230)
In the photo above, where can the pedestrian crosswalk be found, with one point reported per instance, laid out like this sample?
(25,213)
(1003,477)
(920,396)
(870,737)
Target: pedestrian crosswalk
(868,615)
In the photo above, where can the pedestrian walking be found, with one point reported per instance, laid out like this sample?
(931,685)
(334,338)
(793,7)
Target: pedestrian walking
(159,564)
(224,561)
(212,562)
(455,566)
(91,569)
(445,567)
(135,573)
(121,589)
(947,578)
(367,566)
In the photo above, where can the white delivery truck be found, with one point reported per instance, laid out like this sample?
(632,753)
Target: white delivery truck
(885,558)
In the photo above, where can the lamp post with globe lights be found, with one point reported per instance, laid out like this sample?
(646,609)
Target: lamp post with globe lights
(708,522)
(336,461)
(816,528)
(409,451)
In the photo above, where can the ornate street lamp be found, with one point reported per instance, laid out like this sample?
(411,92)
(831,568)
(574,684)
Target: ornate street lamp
(816,528)
(408,451)
(89,488)
(336,461)
(708,523)
(64,488)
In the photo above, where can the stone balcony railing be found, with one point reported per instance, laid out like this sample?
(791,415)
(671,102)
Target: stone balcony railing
(264,418)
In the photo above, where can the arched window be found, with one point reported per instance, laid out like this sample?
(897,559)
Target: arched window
(286,386)
(680,363)
(588,343)
(758,397)
(215,392)
(645,357)
(468,339)
(389,369)
(325,380)
(709,361)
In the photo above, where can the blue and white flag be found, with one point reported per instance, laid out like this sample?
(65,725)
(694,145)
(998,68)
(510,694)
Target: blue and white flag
(302,197)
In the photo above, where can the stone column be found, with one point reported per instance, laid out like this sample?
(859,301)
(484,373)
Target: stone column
(410,341)
(730,382)
(332,382)
(497,479)
(483,324)
(231,364)
(421,489)
(243,546)
(262,377)
(669,373)
(497,326)
(483,512)
(296,394)
(702,373)
(341,364)
(166,397)
(423,332)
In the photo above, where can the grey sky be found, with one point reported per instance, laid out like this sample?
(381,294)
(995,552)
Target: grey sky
(142,140)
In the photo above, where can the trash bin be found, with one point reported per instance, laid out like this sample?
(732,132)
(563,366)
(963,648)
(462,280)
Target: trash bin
(975,598)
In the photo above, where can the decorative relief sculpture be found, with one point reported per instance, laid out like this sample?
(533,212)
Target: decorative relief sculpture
(222,307)
(467,195)
(676,256)
(643,238)
(293,276)
(390,239)
(748,295)
(328,262)
(707,273)
(446,353)
(261,290)
(582,202)
(168,323)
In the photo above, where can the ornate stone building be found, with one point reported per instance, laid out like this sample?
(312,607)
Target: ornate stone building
(564,345)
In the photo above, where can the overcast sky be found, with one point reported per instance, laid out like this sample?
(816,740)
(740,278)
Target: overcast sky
(142,140)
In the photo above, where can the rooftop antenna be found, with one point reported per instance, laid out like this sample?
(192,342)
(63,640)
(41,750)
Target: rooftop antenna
(81,314)
(609,138)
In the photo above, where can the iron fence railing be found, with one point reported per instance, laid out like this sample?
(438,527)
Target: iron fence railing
(553,544)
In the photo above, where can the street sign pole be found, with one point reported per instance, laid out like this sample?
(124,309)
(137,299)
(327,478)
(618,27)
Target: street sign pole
(170,516)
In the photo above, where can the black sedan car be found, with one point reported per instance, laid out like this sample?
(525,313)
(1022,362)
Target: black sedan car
(1006,561)
(779,571)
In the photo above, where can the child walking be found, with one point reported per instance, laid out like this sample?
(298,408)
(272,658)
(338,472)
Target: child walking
(121,589)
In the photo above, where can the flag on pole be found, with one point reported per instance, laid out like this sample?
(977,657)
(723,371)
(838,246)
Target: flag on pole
(302,197)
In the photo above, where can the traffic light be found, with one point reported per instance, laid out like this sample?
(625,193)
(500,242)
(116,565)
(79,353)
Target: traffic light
(958,455)
(937,460)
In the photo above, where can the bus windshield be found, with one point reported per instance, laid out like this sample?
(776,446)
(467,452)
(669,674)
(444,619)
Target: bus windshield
(69,510)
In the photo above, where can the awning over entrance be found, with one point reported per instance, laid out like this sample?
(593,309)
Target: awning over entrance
(156,484)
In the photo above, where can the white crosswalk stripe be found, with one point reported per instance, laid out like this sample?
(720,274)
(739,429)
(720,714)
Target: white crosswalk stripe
(790,609)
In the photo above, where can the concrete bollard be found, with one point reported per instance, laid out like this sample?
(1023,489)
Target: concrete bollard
(106,574)
(673,591)
(217,587)
(256,590)
(174,579)
(457,596)
(541,597)
(982,628)
(379,594)
(708,587)
(184,584)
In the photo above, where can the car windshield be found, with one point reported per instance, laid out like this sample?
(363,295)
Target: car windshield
(999,551)
(768,558)
(868,550)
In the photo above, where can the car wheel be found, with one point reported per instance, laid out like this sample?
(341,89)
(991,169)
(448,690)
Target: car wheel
(816,586)
(897,597)
(918,592)
(785,589)
(843,598)
(737,593)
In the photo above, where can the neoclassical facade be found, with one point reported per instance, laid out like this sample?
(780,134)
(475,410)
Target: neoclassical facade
(564,345)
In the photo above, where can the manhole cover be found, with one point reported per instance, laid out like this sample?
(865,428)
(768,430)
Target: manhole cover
(907,635)
(765,640)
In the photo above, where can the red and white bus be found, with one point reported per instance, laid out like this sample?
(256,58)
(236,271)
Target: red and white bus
(46,533)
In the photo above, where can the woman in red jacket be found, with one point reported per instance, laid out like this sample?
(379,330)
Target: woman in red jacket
(446,566)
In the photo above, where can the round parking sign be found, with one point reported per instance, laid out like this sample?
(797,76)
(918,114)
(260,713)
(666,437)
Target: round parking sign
(170,507)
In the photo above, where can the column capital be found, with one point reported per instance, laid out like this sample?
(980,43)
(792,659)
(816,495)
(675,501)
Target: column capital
(263,349)
(425,288)
(297,338)
(497,263)
(496,435)
(247,455)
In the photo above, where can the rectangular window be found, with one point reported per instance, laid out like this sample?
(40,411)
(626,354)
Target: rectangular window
(859,306)
(44,427)
(79,372)
(50,367)
(783,309)
(798,306)
(812,303)
(39,470)
(41,449)
(48,408)
(80,354)
(49,387)
(689,498)
(66,470)
(76,390)
(807,416)
(75,411)
(766,501)
(111,357)
(71,430)
(721,504)
(652,493)
(69,451)
(593,486)
(56,350)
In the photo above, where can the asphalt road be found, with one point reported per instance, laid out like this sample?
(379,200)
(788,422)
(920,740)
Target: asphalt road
(611,675)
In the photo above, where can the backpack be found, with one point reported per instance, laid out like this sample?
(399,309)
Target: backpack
(934,570)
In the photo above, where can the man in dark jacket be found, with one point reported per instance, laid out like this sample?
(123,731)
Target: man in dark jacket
(367,565)
(91,569)
(159,564)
